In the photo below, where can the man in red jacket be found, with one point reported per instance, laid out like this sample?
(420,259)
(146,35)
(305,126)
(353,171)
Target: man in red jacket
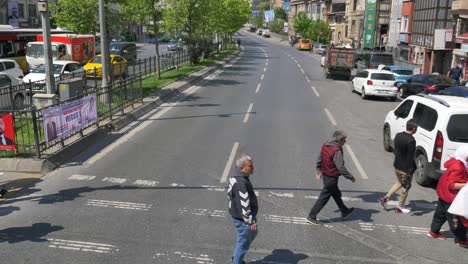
(449,185)
(330,165)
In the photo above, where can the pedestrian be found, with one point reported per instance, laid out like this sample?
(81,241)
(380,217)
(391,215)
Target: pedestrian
(330,165)
(238,43)
(404,150)
(454,178)
(455,74)
(243,207)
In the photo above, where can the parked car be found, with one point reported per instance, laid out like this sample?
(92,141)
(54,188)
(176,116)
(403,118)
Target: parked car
(428,83)
(174,46)
(402,74)
(259,31)
(372,60)
(266,33)
(304,44)
(11,67)
(62,69)
(321,49)
(461,91)
(119,66)
(442,129)
(375,83)
(7,81)
(128,50)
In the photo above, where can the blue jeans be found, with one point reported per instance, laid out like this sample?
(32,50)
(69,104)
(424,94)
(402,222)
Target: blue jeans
(245,237)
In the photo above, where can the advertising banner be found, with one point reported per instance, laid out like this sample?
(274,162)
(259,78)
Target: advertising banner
(61,121)
(7,133)
(269,15)
(369,24)
(13,14)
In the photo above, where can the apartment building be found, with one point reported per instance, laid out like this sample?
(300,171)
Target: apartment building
(395,24)
(335,11)
(20,13)
(460,17)
(355,18)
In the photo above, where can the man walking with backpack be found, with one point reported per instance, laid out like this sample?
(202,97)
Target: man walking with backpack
(330,165)
(405,148)
(243,207)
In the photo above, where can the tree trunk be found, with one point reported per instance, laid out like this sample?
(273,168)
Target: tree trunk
(156,44)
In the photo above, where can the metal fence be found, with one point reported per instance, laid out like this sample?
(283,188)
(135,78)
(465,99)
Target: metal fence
(122,93)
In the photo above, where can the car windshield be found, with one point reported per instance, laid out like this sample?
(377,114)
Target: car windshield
(97,59)
(403,72)
(382,76)
(305,41)
(382,59)
(457,130)
(115,47)
(57,68)
(36,50)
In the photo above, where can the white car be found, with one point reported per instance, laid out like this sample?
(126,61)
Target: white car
(60,68)
(442,122)
(266,33)
(376,83)
(11,67)
(7,81)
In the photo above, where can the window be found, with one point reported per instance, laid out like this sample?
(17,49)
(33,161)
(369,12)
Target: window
(382,77)
(20,10)
(4,80)
(32,10)
(9,65)
(457,130)
(404,24)
(404,109)
(355,4)
(425,116)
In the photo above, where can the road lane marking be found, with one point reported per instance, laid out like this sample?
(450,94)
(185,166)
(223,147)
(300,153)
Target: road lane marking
(266,64)
(229,162)
(81,246)
(263,76)
(330,117)
(315,91)
(146,183)
(346,199)
(288,195)
(258,88)
(114,180)
(264,69)
(393,228)
(78,177)
(118,205)
(148,119)
(247,115)
(302,70)
(191,257)
(356,162)
(203,212)
(307,79)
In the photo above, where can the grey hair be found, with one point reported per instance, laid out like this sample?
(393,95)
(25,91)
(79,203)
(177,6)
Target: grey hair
(339,135)
(240,162)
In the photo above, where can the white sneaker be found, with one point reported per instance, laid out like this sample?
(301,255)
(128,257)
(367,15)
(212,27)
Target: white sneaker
(402,210)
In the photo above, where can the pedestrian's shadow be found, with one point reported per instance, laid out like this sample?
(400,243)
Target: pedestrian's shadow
(34,233)
(422,207)
(6,210)
(364,215)
(281,256)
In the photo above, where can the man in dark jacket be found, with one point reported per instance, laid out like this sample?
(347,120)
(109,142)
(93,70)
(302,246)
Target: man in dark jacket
(330,165)
(243,207)
(405,148)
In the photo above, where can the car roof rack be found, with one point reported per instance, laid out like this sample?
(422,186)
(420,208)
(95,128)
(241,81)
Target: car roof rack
(433,98)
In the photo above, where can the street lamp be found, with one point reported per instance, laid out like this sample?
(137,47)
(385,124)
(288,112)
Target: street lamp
(43,8)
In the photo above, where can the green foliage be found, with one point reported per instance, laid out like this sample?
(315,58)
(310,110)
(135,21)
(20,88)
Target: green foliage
(302,24)
(81,18)
(277,26)
(319,29)
(258,21)
(263,6)
(280,13)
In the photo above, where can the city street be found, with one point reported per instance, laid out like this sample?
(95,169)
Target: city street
(155,192)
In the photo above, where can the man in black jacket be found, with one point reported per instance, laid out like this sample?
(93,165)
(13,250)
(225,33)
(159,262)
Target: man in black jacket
(243,207)
(405,148)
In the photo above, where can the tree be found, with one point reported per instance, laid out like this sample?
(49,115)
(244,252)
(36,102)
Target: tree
(280,13)
(319,30)
(263,6)
(258,21)
(277,26)
(302,24)
(81,18)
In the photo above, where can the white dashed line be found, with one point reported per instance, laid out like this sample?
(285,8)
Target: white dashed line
(258,88)
(263,76)
(264,69)
(146,183)
(307,79)
(229,162)
(315,91)
(246,118)
(81,246)
(118,205)
(78,177)
(356,162)
(114,180)
(302,70)
(330,116)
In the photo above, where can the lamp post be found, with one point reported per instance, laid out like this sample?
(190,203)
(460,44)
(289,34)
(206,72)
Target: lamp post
(43,8)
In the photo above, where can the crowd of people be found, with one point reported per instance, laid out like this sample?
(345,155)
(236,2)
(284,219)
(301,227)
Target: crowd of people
(243,204)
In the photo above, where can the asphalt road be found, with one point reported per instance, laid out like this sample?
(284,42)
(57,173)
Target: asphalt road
(155,193)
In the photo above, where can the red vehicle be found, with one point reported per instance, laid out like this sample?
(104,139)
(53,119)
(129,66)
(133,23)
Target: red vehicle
(74,47)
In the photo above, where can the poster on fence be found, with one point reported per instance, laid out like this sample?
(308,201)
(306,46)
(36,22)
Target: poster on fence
(7,133)
(61,121)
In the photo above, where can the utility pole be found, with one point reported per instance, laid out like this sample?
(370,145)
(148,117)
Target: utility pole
(43,8)
(104,47)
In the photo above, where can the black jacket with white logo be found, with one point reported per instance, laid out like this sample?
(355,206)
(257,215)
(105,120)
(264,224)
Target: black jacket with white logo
(243,204)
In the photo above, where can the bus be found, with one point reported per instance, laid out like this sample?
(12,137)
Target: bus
(13,42)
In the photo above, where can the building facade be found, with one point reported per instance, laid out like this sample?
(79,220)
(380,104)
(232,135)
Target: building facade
(460,53)
(355,18)
(335,11)
(395,24)
(20,13)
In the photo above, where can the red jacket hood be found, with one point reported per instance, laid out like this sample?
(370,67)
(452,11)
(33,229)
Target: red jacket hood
(456,173)
(454,165)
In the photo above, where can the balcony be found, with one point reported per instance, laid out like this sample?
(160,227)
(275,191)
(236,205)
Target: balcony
(460,7)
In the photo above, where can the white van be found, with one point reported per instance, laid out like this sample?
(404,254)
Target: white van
(443,127)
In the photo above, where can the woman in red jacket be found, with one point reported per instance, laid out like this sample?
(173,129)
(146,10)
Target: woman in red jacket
(449,184)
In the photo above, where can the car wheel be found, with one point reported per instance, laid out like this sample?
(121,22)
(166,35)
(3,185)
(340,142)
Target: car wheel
(421,172)
(401,93)
(19,101)
(353,90)
(393,99)
(363,94)
(387,141)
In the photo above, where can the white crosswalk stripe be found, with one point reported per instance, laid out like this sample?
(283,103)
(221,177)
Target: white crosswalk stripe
(81,246)
(117,204)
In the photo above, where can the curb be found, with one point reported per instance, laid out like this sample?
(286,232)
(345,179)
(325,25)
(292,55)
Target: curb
(41,166)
